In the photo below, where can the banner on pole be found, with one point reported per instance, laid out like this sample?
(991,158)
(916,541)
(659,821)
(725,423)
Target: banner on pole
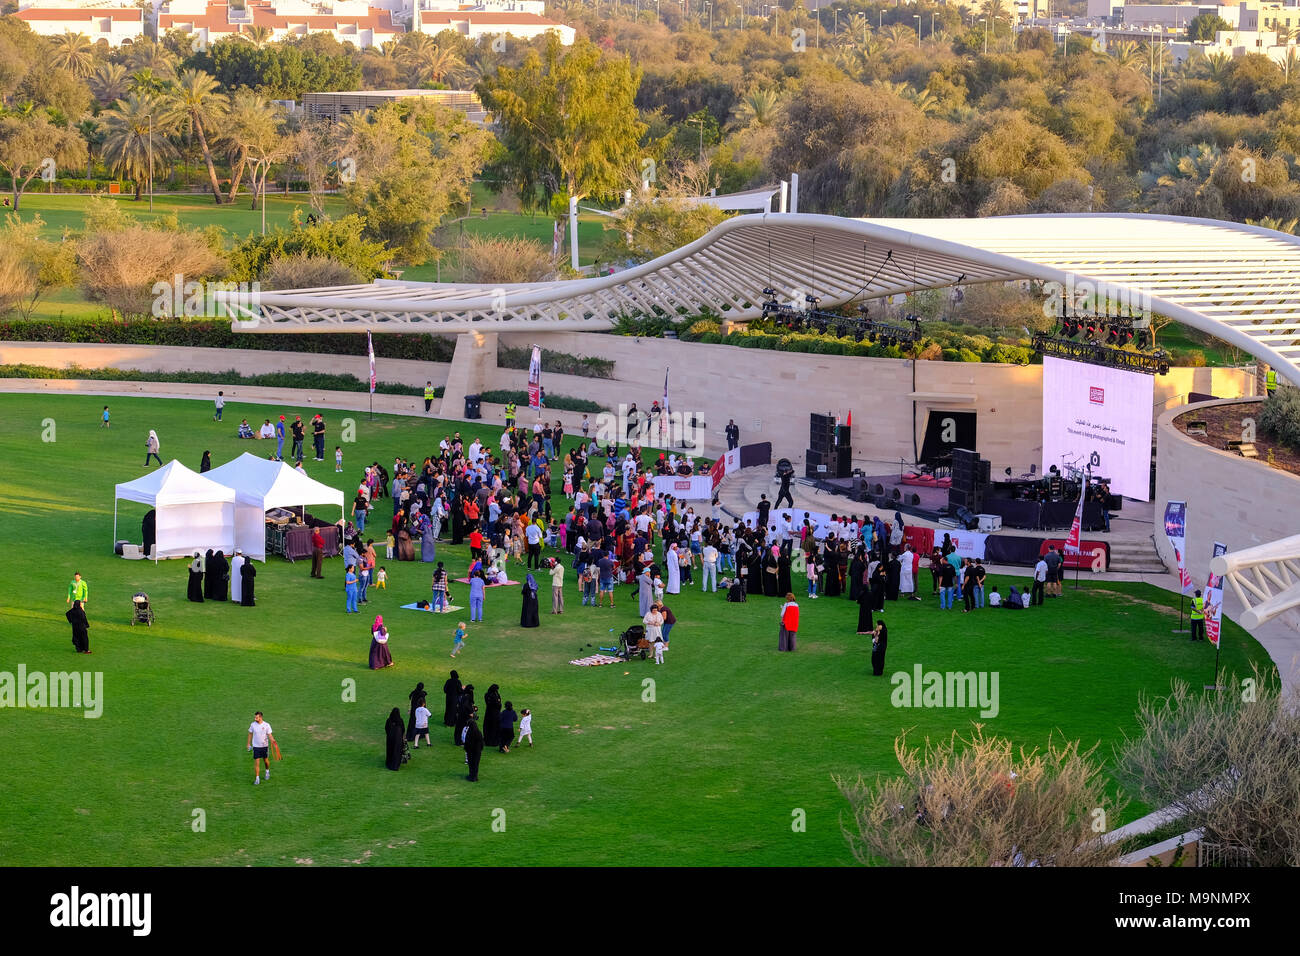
(1214,599)
(663,416)
(1076,528)
(1176,532)
(535,378)
(370,350)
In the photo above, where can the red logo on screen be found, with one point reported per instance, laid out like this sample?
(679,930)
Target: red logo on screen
(1097,395)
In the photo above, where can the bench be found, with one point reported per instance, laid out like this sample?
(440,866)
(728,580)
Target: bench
(1246,449)
(1196,427)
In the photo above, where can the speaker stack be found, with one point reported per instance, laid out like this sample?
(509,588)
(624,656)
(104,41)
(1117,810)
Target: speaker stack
(829,453)
(970,476)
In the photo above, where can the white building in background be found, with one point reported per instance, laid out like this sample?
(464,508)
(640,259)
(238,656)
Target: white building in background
(212,20)
(477,24)
(114,25)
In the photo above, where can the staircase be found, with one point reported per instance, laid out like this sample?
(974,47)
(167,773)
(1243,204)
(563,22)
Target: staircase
(1136,555)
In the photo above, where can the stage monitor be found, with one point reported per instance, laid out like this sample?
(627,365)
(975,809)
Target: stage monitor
(945,431)
(1098,416)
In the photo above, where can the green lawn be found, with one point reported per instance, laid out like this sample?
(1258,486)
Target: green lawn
(738,736)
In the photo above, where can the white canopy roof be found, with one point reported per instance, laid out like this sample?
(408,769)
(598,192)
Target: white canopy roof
(173,484)
(272,484)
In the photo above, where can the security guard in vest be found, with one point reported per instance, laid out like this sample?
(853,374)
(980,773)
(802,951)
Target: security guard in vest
(1198,617)
(510,415)
(1270,381)
(428,396)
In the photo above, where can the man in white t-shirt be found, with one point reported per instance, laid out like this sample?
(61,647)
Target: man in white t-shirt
(421,725)
(260,742)
(709,563)
(475,451)
(629,469)
(1040,579)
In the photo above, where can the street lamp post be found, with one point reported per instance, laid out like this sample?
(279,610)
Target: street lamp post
(985,21)
(151,162)
(917,18)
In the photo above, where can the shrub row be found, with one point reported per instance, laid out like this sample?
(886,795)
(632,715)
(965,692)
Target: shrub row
(310,380)
(207,333)
(563,403)
(560,363)
(1279,417)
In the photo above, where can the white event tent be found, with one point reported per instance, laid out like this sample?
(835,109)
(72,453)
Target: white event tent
(259,485)
(192,513)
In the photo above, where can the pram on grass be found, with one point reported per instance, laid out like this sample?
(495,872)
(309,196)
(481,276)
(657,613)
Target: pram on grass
(633,642)
(143,612)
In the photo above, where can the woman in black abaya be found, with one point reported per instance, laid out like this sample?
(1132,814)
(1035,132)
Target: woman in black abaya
(464,707)
(206,463)
(246,575)
(857,568)
(416,696)
(76,616)
(219,577)
(528,612)
(451,690)
(770,572)
(195,590)
(879,581)
(832,569)
(783,574)
(149,532)
(492,716)
(879,641)
(208,573)
(865,624)
(395,735)
(891,579)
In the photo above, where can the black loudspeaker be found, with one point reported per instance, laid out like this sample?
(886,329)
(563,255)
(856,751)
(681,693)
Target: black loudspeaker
(896,495)
(879,489)
(814,457)
(883,502)
(843,461)
(968,520)
(913,500)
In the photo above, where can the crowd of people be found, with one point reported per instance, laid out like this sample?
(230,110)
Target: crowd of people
(471,729)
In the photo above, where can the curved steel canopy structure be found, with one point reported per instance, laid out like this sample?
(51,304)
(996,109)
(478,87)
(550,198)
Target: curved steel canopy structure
(1238,283)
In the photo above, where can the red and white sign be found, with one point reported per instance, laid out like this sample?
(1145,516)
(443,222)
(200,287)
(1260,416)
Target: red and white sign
(695,488)
(1097,395)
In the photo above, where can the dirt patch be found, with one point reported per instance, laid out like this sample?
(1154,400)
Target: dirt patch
(1224,423)
(1129,599)
(318,734)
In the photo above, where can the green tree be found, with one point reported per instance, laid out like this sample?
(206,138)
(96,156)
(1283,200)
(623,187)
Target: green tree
(645,230)
(28,143)
(135,137)
(1203,27)
(194,101)
(44,264)
(337,240)
(75,53)
(109,83)
(567,118)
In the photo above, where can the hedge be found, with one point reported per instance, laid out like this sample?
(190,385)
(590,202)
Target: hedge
(563,403)
(1279,417)
(561,363)
(309,380)
(207,333)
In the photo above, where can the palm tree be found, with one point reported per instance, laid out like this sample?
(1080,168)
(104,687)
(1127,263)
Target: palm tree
(994,9)
(109,83)
(194,100)
(898,34)
(74,53)
(427,60)
(148,55)
(758,108)
(1128,56)
(1213,66)
(249,119)
(128,146)
(94,136)
(144,81)
(1278,225)
(256,35)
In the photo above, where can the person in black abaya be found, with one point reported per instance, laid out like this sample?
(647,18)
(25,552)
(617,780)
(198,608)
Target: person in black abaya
(195,589)
(246,574)
(783,574)
(149,532)
(208,569)
(492,716)
(219,577)
(464,707)
(879,641)
(395,735)
(473,748)
(857,569)
(891,579)
(451,690)
(206,463)
(528,612)
(865,593)
(832,561)
(770,573)
(879,581)
(754,570)
(416,696)
(76,616)
(457,520)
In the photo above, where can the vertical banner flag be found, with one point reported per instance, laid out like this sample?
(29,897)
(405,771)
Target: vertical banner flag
(1214,599)
(1076,528)
(1176,532)
(663,415)
(370,349)
(535,379)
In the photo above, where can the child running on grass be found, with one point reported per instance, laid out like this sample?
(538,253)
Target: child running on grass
(458,644)
(526,726)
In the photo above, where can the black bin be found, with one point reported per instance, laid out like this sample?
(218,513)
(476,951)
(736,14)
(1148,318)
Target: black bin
(472,409)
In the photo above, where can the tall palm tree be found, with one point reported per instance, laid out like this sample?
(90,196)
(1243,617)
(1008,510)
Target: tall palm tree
(249,119)
(428,60)
(93,134)
(1128,56)
(194,100)
(74,53)
(897,34)
(109,83)
(758,108)
(128,146)
(146,81)
(149,55)
(1278,225)
(256,35)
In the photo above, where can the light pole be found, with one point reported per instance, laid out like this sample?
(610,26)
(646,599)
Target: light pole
(917,18)
(700,120)
(709,4)
(151,162)
(985,21)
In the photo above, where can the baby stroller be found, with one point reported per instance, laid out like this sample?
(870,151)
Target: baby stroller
(143,612)
(632,642)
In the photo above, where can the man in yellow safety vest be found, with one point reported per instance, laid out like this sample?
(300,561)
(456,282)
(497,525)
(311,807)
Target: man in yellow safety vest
(1270,381)
(510,415)
(1198,617)
(428,396)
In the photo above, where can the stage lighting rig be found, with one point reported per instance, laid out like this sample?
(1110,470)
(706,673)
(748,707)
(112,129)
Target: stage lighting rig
(1148,363)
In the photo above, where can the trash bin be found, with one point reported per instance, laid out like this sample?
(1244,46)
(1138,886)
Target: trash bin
(472,409)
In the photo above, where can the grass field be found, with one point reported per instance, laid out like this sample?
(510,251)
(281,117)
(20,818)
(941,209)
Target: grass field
(737,739)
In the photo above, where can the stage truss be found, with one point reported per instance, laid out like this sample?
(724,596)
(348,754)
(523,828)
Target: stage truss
(1265,579)
(1239,283)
